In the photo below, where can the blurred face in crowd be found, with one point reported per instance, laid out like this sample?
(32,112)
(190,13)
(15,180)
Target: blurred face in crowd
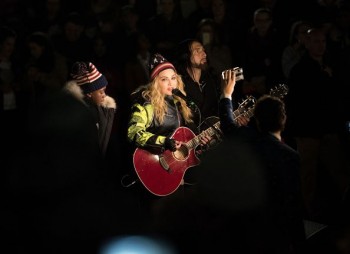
(206,34)
(35,50)
(198,56)
(315,43)
(167,7)
(218,8)
(73,31)
(7,47)
(53,6)
(262,22)
(100,47)
(203,3)
(301,33)
(143,43)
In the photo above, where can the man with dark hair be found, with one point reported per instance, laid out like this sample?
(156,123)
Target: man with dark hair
(201,86)
(280,213)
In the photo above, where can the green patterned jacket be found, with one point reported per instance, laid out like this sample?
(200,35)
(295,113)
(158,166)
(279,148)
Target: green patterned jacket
(145,131)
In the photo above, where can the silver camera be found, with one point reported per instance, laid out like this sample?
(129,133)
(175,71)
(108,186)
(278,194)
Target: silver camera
(238,72)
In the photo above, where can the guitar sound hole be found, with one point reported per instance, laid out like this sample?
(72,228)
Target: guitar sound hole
(181,153)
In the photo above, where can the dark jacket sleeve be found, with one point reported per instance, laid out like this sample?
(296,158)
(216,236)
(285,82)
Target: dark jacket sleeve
(106,118)
(227,123)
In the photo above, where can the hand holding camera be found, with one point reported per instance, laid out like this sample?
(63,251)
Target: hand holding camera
(237,71)
(229,79)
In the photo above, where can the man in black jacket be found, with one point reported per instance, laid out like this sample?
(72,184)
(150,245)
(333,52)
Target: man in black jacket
(278,214)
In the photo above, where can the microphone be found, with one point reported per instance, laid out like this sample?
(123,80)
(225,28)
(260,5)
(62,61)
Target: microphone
(178,93)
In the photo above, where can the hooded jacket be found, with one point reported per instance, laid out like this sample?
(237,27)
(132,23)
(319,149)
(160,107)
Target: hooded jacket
(103,115)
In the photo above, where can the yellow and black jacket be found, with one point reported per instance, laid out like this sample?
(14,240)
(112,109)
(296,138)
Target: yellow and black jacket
(145,131)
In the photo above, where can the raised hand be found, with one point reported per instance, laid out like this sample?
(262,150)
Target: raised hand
(228,82)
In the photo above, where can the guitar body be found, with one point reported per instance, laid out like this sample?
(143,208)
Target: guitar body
(162,173)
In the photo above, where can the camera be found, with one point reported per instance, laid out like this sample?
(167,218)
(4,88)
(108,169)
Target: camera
(238,72)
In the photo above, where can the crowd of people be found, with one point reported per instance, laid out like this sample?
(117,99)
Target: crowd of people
(89,90)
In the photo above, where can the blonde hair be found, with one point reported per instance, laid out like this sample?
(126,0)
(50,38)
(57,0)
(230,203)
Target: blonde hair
(152,93)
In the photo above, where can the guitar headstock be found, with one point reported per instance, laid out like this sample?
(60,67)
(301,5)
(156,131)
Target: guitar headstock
(279,91)
(248,102)
(245,108)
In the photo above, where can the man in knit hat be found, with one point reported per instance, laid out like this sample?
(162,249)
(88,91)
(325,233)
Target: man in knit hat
(89,86)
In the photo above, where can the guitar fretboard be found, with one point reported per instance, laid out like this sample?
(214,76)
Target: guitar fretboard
(193,143)
(243,112)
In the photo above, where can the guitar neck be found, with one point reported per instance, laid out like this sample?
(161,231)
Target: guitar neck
(193,143)
(247,113)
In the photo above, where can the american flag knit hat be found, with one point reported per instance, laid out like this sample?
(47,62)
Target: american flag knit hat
(157,64)
(88,77)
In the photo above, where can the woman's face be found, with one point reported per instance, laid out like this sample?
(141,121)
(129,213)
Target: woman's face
(98,96)
(167,81)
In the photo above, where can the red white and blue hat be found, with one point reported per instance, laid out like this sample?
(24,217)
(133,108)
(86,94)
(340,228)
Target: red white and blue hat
(157,64)
(88,77)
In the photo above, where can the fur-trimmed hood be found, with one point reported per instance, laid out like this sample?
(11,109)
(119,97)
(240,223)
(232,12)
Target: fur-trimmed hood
(109,102)
(73,88)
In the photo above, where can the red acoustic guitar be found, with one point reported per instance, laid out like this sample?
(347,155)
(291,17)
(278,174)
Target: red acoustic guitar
(162,173)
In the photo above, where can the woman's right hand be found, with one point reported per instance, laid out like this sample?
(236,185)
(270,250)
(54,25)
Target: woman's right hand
(172,144)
